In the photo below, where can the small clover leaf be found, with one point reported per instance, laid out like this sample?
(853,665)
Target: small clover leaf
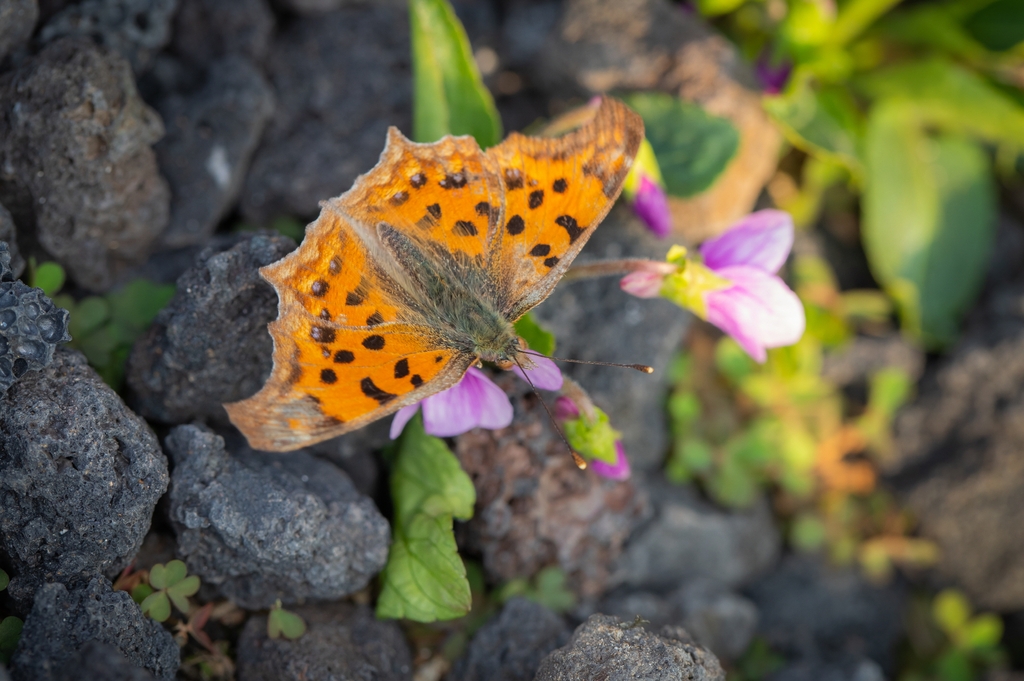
(281,622)
(10,632)
(172,585)
(4,580)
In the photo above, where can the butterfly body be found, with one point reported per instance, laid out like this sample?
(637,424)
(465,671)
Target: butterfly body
(420,270)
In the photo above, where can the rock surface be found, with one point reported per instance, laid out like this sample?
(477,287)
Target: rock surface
(63,622)
(959,466)
(342,642)
(534,508)
(8,235)
(822,616)
(689,539)
(17,21)
(210,345)
(511,646)
(595,320)
(206,30)
(263,527)
(80,476)
(211,135)
(606,648)
(341,79)
(31,327)
(76,165)
(136,29)
(98,661)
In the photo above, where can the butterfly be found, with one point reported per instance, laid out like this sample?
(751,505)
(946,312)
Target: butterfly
(420,270)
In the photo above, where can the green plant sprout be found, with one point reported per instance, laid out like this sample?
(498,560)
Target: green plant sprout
(757,662)
(168,583)
(740,428)
(949,643)
(281,622)
(104,327)
(10,627)
(548,587)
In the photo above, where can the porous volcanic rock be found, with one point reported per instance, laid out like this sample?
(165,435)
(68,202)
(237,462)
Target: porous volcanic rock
(206,30)
(31,326)
(17,21)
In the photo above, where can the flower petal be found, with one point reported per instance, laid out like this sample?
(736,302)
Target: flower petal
(651,205)
(565,409)
(473,401)
(544,373)
(762,240)
(758,310)
(619,471)
(642,284)
(402,417)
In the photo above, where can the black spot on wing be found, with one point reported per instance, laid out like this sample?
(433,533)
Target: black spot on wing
(322,334)
(540,250)
(570,225)
(371,390)
(536,198)
(375,319)
(319,288)
(418,180)
(464,228)
(328,376)
(401,368)
(559,186)
(434,210)
(515,225)
(374,342)
(513,178)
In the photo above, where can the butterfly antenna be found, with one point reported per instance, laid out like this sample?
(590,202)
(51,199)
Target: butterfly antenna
(642,368)
(577,459)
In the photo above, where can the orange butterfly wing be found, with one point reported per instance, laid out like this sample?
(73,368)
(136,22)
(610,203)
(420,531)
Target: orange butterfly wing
(557,190)
(349,346)
(357,337)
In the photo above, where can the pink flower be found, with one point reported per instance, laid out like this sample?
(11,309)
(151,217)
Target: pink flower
(651,205)
(619,471)
(474,402)
(584,436)
(757,309)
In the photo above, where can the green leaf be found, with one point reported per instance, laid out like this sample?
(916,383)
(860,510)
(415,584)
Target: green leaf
(536,336)
(141,592)
(954,666)
(951,611)
(593,439)
(693,147)
(10,632)
(984,631)
(807,533)
(158,576)
(822,122)
(49,276)
(890,389)
(157,606)
(552,591)
(449,96)
(425,579)
(289,227)
(281,622)
(88,315)
(714,8)
(999,26)
(928,220)
(180,591)
(855,16)
(136,304)
(4,580)
(942,94)
(732,361)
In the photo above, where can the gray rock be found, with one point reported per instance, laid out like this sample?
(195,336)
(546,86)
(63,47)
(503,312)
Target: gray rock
(857,361)
(210,345)
(263,527)
(8,235)
(511,646)
(535,508)
(63,622)
(75,157)
(80,476)
(206,30)
(98,661)
(852,669)
(17,21)
(4,676)
(719,620)
(596,320)
(31,327)
(341,79)
(136,29)
(689,539)
(315,7)
(820,615)
(606,648)
(959,467)
(211,135)
(342,642)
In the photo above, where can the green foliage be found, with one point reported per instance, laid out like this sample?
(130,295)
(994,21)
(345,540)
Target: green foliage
(950,643)
(49,276)
(171,584)
(4,580)
(536,336)
(281,622)
(594,439)
(425,579)
(449,96)
(757,662)
(548,587)
(999,25)
(103,328)
(10,632)
(823,122)
(693,147)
